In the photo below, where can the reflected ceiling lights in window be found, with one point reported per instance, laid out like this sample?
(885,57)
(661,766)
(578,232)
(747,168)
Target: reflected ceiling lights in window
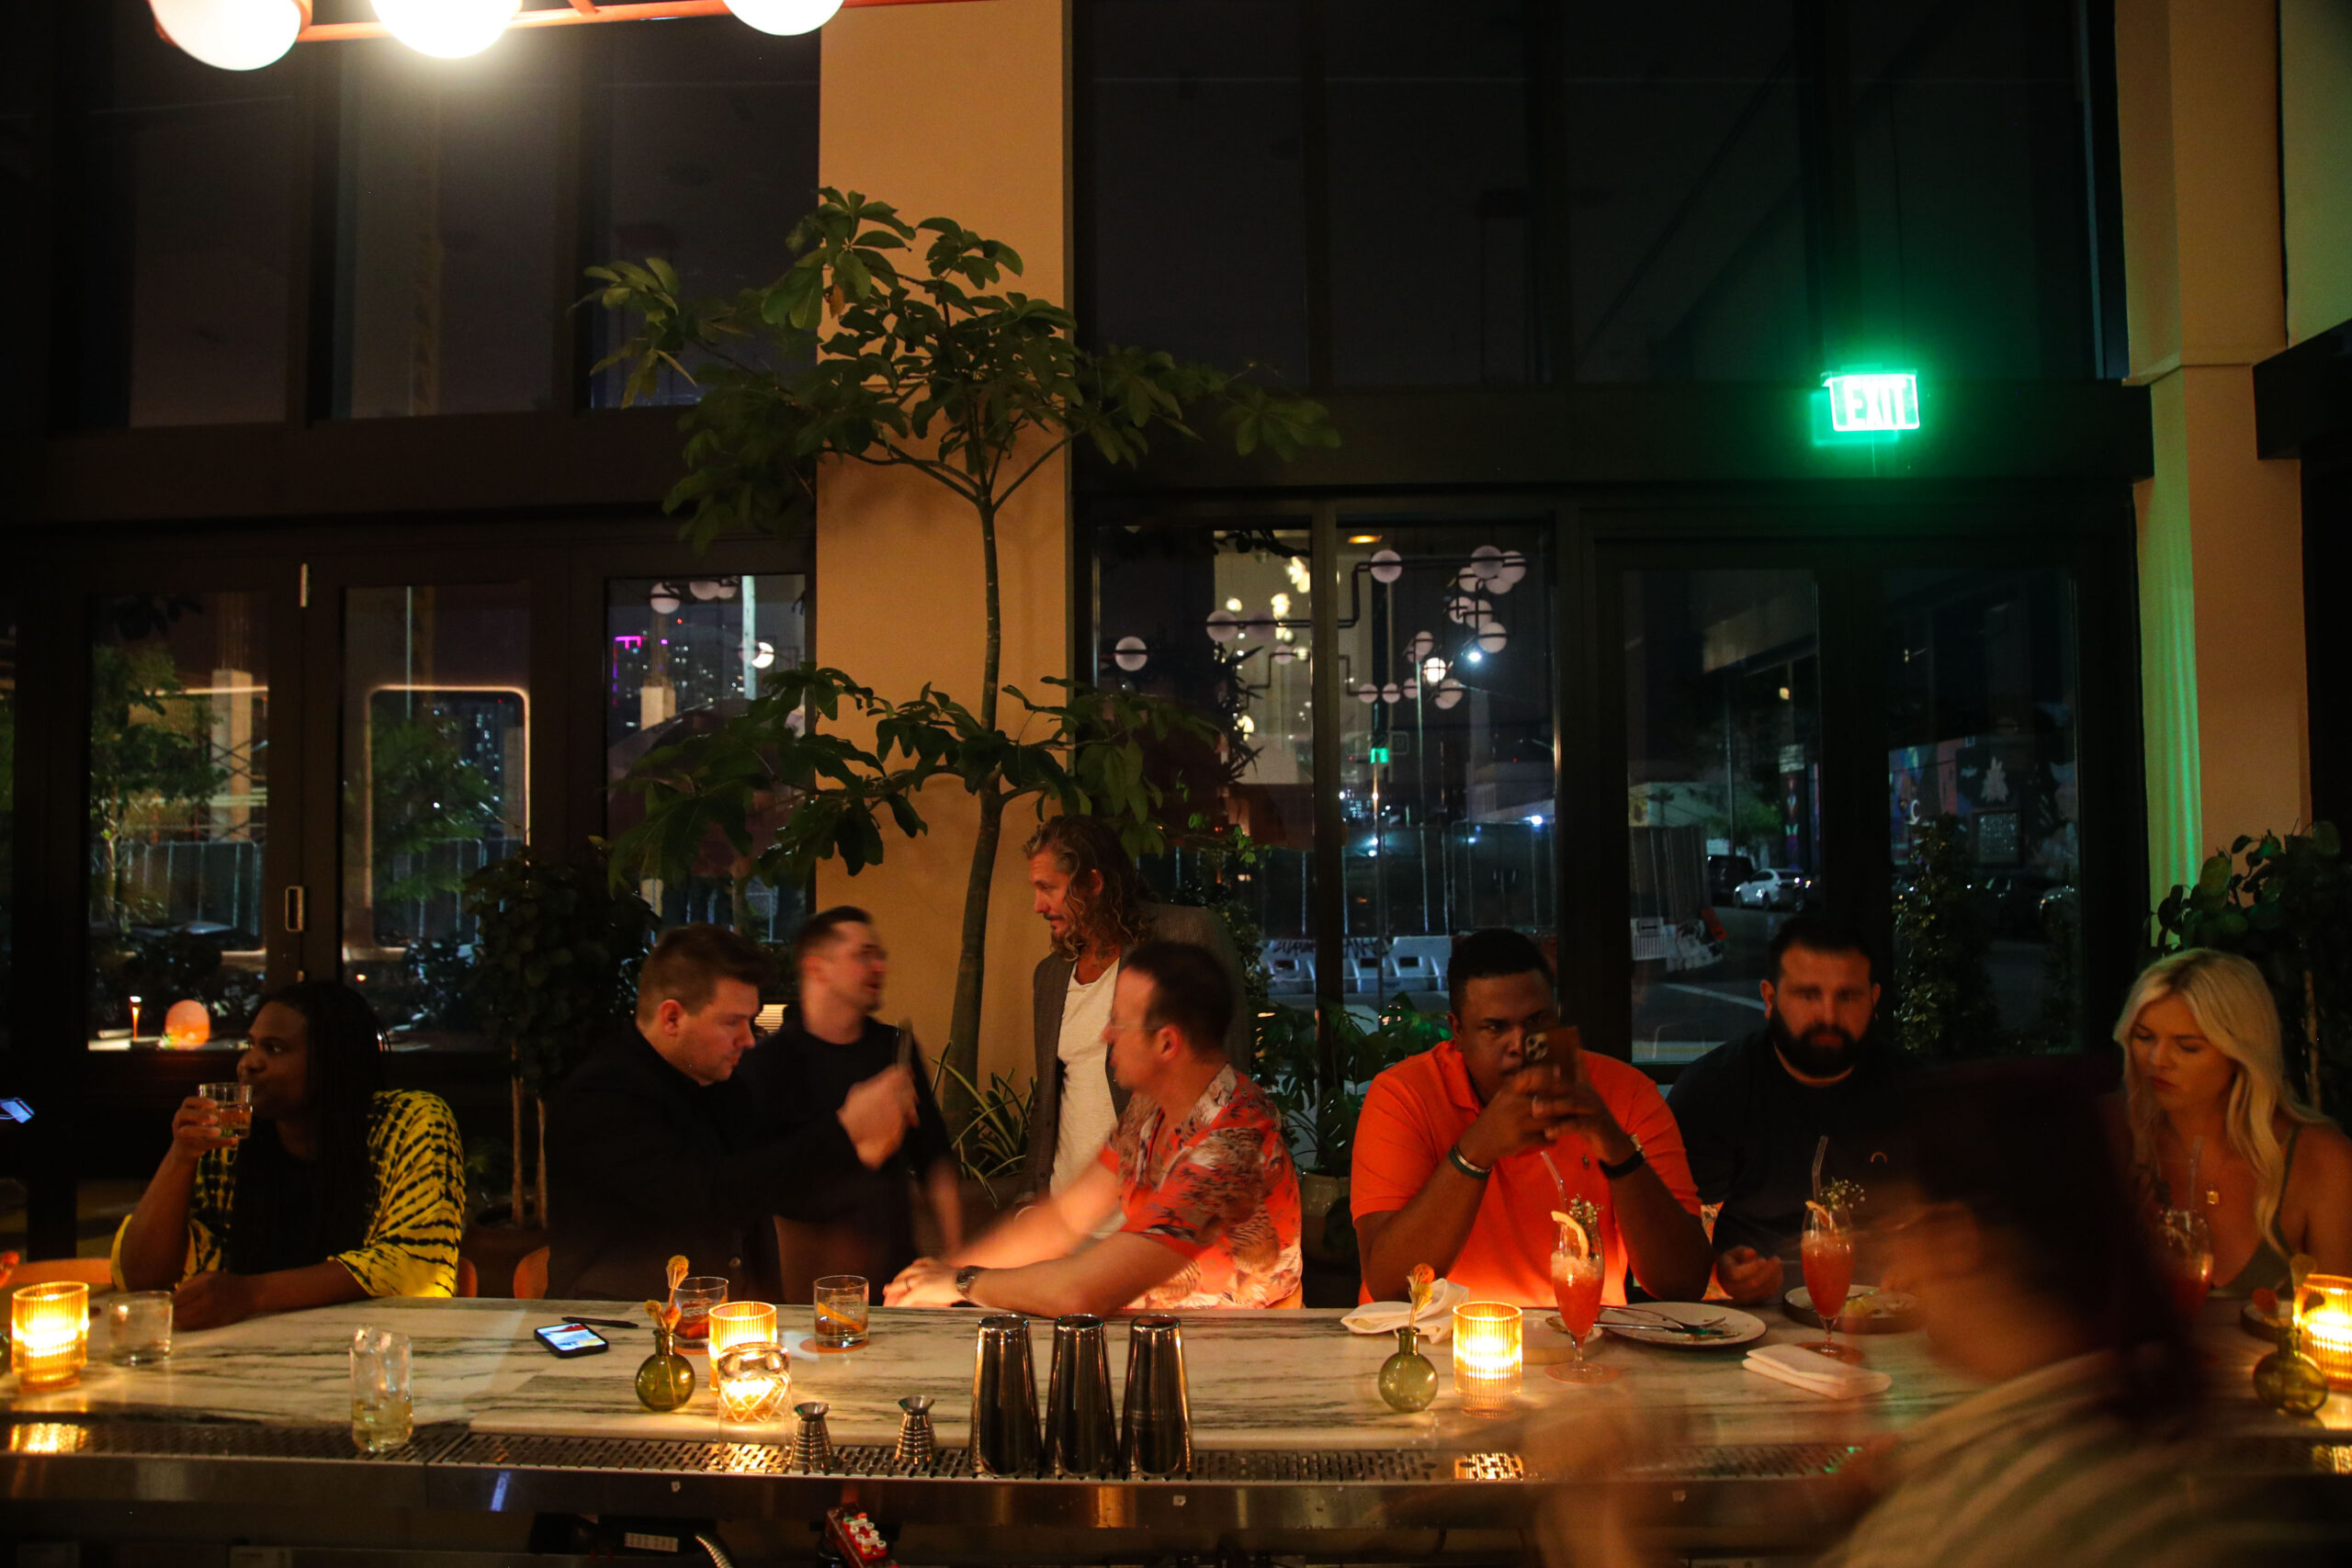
(1387,565)
(245,35)
(1129,654)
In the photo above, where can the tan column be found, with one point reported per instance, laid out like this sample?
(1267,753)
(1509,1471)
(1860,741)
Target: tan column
(2221,541)
(957,112)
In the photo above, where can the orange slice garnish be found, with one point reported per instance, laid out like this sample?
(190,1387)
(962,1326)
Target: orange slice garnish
(1583,1238)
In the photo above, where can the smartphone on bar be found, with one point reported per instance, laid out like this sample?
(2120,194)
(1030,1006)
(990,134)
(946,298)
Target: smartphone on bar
(570,1339)
(16,1110)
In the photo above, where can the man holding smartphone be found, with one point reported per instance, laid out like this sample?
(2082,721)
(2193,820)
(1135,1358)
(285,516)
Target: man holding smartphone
(1464,1152)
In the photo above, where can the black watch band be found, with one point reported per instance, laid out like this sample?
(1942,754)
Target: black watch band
(1631,1164)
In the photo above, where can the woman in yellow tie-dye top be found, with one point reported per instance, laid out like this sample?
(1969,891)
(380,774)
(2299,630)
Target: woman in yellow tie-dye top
(344,1189)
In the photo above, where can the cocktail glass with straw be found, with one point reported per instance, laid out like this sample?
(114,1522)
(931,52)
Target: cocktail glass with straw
(1827,1253)
(2185,1244)
(1578,1269)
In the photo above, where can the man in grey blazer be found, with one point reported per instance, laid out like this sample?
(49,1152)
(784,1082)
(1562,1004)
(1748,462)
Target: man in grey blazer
(1088,892)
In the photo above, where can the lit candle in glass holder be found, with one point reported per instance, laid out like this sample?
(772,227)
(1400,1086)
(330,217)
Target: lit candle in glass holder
(2326,1326)
(1488,1353)
(754,1382)
(51,1327)
(738,1323)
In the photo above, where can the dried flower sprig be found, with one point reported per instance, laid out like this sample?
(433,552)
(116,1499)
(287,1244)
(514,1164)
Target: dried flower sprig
(1418,1285)
(1842,1195)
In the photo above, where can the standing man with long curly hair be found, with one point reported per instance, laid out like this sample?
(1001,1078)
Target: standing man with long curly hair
(1091,900)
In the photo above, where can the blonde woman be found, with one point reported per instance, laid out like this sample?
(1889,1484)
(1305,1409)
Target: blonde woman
(2273,1178)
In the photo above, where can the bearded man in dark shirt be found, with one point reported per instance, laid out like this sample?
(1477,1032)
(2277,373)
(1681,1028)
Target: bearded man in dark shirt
(1753,1112)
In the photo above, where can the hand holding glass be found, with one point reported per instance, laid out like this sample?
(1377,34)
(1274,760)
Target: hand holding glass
(232,1109)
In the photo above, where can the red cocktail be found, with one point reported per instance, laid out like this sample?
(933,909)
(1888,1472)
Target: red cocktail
(1577,1270)
(1828,1276)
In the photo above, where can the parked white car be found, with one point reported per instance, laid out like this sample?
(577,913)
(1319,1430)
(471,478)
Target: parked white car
(1783,887)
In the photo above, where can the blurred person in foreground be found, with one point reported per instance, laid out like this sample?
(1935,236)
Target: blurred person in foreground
(1464,1151)
(342,1188)
(1198,1176)
(1753,1112)
(2005,1217)
(2203,1079)
(1087,892)
(805,1072)
(653,1149)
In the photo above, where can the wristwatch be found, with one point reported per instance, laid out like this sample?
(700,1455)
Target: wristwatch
(1626,1167)
(965,1277)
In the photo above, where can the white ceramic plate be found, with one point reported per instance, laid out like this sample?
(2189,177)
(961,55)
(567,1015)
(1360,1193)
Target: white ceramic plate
(1875,1311)
(1736,1327)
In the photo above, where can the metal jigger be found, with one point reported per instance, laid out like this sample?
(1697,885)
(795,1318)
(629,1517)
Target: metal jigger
(915,1439)
(1156,1420)
(1080,1438)
(1005,1399)
(812,1446)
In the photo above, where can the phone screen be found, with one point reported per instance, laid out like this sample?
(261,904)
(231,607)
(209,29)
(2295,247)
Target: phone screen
(16,1110)
(570,1339)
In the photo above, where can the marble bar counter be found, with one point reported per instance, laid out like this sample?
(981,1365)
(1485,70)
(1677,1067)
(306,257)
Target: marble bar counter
(1290,1434)
(1258,1380)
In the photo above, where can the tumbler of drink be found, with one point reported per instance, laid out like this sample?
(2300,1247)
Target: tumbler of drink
(840,1312)
(694,1298)
(382,1419)
(139,1327)
(232,1109)
(1829,1275)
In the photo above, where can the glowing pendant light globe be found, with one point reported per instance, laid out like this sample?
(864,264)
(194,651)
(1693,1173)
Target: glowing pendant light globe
(784,17)
(451,29)
(231,35)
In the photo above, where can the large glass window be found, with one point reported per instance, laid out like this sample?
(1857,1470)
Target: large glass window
(446,304)
(437,781)
(179,798)
(680,654)
(1984,706)
(7,814)
(1686,241)
(1405,311)
(1970,187)
(1222,622)
(187,213)
(1447,788)
(709,158)
(1196,210)
(1723,748)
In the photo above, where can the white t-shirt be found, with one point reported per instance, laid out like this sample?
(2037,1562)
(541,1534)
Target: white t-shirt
(1088,1118)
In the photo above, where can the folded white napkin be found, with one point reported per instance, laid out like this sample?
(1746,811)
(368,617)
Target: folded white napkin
(1817,1373)
(1435,1321)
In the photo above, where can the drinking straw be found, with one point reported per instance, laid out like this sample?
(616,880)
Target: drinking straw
(1820,1153)
(2196,1158)
(1559,1185)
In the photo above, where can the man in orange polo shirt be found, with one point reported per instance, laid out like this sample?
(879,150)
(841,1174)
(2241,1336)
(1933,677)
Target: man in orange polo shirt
(1464,1151)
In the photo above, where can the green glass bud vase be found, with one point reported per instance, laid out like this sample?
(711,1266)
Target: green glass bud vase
(667,1380)
(2288,1381)
(1408,1380)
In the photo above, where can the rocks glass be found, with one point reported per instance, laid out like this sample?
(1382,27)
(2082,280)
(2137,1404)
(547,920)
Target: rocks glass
(840,1312)
(694,1298)
(232,1109)
(139,1327)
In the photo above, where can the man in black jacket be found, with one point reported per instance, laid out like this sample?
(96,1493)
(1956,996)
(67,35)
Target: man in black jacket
(1754,1112)
(652,1151)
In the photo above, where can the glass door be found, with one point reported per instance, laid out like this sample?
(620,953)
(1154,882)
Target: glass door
(187,707)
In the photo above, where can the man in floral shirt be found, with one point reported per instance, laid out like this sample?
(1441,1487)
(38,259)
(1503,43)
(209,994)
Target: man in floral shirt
(1198,1168)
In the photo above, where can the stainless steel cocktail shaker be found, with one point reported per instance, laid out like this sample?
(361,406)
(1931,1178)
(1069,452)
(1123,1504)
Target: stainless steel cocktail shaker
(1079,1437)
(1005,1399)
(1156,1417)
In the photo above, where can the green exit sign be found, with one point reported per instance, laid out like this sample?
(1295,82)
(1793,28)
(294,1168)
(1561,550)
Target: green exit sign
(1873,402)
(1380,756)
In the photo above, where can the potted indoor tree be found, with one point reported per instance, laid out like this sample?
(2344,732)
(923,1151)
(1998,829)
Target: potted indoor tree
(869,350)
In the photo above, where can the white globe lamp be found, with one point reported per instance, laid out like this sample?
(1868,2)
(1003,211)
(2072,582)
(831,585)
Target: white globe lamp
(785,19)
(231,35)
(449,29)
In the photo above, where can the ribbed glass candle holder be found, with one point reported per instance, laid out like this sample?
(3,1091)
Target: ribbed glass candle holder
(51,1330)
(1488,1351)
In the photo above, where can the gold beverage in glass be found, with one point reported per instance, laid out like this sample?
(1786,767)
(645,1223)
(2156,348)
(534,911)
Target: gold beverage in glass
(840,1312)
(382,1417)
(232,1109)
